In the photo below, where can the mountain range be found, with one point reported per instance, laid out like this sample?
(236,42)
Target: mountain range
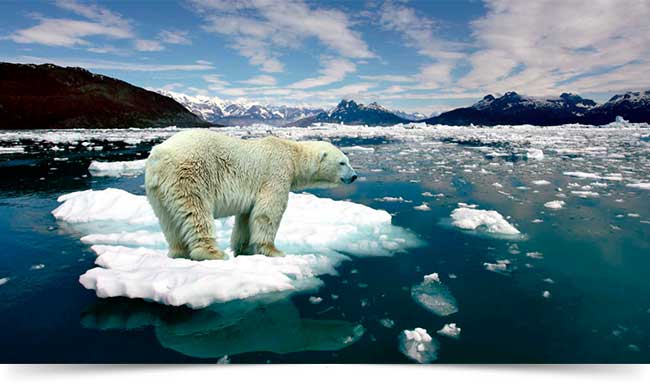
(47,96)
(515,109)
(217,110)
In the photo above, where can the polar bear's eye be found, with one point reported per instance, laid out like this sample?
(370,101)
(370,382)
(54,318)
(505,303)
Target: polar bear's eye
(342,163)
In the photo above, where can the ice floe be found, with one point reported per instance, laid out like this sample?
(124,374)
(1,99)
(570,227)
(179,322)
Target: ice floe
(645,186)
(4,280)
(481,220)
(418,345)
(117,168)
(316,233)
(554,204)
(449,330)
(434,296)
(501,266)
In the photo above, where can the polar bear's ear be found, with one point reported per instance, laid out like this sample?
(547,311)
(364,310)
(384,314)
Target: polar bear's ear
(323,155)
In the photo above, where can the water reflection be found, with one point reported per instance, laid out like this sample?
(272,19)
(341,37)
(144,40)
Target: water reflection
(225,329)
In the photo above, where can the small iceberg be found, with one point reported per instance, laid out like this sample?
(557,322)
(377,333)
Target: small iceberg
(434,296)
(418,345)
(480,220)
(117,168)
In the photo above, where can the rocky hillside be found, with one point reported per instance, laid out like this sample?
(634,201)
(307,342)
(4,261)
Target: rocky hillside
(48,96)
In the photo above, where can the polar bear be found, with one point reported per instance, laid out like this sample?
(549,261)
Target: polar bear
(198,175)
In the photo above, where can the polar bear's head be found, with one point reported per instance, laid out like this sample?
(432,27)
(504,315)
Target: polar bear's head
(330,166)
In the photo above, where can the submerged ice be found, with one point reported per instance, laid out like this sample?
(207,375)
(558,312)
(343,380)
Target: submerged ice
(418,345)
(316,233)
(434,296)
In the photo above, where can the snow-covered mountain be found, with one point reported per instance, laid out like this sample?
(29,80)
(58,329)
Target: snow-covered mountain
(349,112)
(219,111)
(632,106)
(513,108)
(410,115)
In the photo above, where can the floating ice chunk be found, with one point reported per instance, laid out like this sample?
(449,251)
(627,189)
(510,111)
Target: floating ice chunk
(535,154)
(535,255)
(482,220)
(434,296)
(645,186)
(546,294)
(36,267)
(450,330)
(418,345)
(117,168)
(541,182)
(501,266)
(427,194)
(8,150)
(357,148)
(315,299)
(582,175)
(132,258)
(4,280)
(388,323)
(555,204)
(422,207)
(224,360)
(585,194)
(390,199)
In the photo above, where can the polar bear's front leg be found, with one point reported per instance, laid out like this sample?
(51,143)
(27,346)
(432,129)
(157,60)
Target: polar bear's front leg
(264,222)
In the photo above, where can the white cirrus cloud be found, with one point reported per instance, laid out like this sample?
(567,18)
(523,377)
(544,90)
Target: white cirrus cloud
(65,32)
(334,70)
(546,47)
(264,80)
(107,64)
(143,45)
(260,29)
(174,37)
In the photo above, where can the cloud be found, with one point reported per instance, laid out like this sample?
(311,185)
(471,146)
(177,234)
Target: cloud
(389,78)
(546,47)
(108,65)
(264,80)
(174,37)
(260,29)
(148,45)
(419,32)
(66,32)
(216,83)
(62,32)
(334,70)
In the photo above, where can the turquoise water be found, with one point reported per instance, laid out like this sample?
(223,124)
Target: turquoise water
(595,251)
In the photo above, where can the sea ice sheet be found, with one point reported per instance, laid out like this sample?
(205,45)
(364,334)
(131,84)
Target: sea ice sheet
(315,233)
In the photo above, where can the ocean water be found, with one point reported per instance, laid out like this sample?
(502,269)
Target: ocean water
(572,287)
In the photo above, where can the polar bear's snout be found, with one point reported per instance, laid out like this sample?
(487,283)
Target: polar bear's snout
(349,175)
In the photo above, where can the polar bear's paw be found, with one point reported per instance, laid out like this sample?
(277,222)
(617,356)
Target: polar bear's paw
(207,254)
(266,249)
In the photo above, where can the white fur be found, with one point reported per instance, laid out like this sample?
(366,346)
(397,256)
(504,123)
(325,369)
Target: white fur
(198,175)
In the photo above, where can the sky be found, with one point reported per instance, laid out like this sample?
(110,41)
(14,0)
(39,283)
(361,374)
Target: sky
(424,56)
